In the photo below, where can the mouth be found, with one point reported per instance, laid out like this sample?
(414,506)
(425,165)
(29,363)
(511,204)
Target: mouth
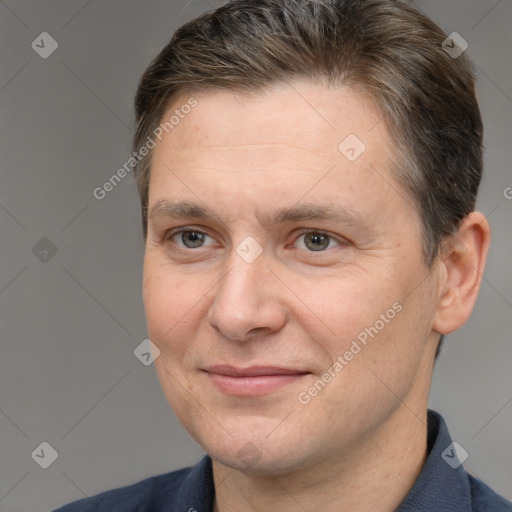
(252,381)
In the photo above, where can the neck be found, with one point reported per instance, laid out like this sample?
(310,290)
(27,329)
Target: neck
(375,475)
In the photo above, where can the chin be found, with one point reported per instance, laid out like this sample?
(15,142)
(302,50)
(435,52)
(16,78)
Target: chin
(258,458)
(250,460)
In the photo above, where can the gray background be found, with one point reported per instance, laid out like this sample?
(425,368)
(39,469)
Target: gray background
(69,326)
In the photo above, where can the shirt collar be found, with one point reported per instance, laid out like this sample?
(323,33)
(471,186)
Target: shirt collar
(198,490)
(443,483)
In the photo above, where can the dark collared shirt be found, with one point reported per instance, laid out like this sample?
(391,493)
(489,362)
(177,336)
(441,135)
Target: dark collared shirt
(443,486)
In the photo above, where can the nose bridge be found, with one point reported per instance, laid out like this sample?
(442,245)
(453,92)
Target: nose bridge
(244,301)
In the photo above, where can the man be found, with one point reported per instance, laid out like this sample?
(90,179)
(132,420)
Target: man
(308,176)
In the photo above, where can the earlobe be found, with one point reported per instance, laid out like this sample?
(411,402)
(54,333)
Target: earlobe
(462,264)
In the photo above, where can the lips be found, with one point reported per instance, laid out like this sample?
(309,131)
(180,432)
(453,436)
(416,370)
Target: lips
(253,371)
(255,380)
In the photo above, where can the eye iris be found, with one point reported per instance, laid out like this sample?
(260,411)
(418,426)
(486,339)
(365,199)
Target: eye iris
(192,239)
(316,241)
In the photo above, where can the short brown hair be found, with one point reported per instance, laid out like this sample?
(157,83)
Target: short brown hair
(385,48)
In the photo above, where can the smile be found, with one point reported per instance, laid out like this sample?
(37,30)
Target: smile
(252,381)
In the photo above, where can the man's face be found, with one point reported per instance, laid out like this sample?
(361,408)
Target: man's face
(222,314)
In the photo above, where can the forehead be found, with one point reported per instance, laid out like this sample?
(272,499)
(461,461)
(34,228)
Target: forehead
(298,126)
(303,115)
(239,152)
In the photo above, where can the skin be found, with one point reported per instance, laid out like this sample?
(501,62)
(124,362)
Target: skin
(360,443)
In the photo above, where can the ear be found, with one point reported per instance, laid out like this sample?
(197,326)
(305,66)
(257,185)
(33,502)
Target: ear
(462,263)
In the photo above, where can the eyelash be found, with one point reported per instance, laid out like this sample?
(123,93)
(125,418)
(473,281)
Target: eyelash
(172,233)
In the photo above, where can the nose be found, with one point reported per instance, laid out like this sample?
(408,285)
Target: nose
(247,303)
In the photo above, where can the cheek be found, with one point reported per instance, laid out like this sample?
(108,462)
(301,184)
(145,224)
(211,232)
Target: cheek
(170,302)
(368,319)
(172,307)
(346,306)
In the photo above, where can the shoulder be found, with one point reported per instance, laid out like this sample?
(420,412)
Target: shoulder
(151,494)
(484,499)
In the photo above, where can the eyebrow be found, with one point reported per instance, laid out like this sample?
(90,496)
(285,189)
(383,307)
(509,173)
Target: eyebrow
(165,208)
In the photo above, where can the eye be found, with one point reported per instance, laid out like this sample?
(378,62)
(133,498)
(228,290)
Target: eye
(189,238)
(317,241)
(313,240)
